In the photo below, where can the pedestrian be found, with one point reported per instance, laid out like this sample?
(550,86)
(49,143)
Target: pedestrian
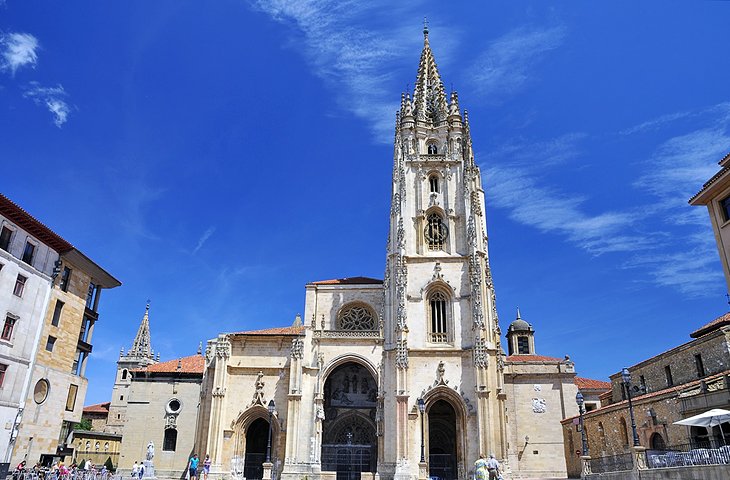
(480,468)
(206,467)
(493,468)
(140,473)
(193,467)
(135,470)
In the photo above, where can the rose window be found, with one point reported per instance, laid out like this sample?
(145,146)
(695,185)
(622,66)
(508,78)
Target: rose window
(356,317)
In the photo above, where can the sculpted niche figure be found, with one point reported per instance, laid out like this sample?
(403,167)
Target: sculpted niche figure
(150,451)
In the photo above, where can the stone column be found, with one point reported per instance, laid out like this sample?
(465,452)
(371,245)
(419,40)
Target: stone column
(215,435)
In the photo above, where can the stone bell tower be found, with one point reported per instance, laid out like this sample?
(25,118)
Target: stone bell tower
(139,356)
(441,333)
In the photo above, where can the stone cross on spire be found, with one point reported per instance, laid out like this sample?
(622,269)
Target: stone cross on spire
(142,345)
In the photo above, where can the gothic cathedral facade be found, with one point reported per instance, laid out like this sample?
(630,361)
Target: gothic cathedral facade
(404,377)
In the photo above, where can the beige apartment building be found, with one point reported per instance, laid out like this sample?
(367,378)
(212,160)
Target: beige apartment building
(53,386)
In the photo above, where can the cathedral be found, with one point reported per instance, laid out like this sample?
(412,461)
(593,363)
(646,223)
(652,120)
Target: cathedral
(404,377)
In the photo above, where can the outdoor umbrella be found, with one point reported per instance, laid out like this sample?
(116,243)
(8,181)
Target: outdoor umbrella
(710,418)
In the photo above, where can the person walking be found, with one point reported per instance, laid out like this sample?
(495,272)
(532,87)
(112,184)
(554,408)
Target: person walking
(206,467)
(480,468)
(193,466)
(140,472)
(135,470)
(493,467)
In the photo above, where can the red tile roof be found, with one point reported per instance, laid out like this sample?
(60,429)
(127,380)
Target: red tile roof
(97,408)
(292,330)
(591,384)
(30,224)
(191,364)
(532,358)
(350,281)
(720,321)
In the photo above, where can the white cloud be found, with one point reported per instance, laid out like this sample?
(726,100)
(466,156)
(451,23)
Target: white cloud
(503,67)
(550,211)
(53,98)
(204,238)
(356,61)
(551,152)
(18,50)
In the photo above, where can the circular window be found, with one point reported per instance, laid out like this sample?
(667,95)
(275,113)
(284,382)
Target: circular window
(356,317)
(173,406)
(40,392)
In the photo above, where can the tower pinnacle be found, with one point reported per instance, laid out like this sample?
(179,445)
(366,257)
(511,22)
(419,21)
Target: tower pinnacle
(142,345)
(429,96)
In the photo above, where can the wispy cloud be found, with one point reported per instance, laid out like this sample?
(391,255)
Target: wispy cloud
(357,61)
(504,66)
(204,238)
(551,211)
(18,50)
(553,152)
(53,98)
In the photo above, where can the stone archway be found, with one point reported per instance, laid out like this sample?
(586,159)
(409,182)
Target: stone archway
(442,441)
(349,440)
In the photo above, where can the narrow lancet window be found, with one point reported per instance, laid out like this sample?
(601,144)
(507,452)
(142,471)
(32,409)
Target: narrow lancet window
(439,320)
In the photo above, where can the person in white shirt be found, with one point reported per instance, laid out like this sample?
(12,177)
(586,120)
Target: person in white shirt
(493,467)
(135,470)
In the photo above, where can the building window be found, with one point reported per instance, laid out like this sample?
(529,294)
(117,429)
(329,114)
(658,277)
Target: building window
(7,333)
(170,441)
(57,313)
(5,235)
(602,434)
(40,392)
(71,398)
(65,279)
(642,384)
(523,345)
(19,286)
(124,374)
(97,445)
(700,366)
(78,364)
(28,253)
(173,406)
(432,149)
(624,432)
(88,445)
(50,343)
(356,317)
(85,329)
(3,369)
(725,208)
(121,397)
(438,308)
(106,446)
(436,232)
(668,374)
(90,296)
(433,184)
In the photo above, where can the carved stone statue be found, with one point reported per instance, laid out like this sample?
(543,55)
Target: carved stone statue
(150,451)
(258,396)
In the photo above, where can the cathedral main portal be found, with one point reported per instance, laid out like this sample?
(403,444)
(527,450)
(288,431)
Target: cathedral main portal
(349,444)
(442,460)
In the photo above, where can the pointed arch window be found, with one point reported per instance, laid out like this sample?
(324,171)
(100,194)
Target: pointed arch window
(436,232)
(169,442)
(432,149)
(438,310)
(433,184)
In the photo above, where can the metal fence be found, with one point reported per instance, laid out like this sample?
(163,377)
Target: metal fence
(689,454)
(347,460)
(613,463)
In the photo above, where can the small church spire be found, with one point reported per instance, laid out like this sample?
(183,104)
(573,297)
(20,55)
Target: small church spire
(142,345)
(518,314)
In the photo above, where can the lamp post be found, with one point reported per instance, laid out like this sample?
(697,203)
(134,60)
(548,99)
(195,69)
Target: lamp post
(272,408)
(626,377)
(422,409)
(582,410)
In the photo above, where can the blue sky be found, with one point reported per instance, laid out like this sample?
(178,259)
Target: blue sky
(217,156)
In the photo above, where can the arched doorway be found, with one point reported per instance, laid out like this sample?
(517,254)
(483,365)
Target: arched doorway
(657,442)
(257,436)
(349,442)
(442,462)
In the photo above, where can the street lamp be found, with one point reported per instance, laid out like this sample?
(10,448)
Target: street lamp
(626,377)
(422,409)
(272,408)
(581,410)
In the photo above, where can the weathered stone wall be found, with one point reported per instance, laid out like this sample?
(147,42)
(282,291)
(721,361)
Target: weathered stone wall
(712,347)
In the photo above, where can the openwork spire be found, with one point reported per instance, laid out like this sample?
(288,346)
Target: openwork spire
(142,345)
(429,96)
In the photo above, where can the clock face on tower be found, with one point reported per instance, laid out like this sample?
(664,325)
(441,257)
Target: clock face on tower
(435,232)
